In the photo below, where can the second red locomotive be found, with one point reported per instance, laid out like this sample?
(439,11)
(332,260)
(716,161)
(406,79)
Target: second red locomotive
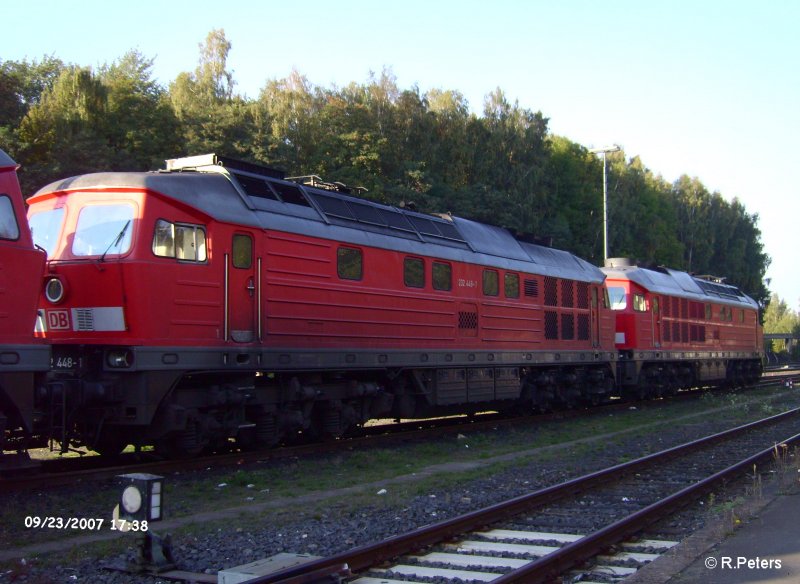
(217,299)
(674,330)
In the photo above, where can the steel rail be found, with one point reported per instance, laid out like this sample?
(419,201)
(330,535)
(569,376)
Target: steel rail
(363,557)
(550,566)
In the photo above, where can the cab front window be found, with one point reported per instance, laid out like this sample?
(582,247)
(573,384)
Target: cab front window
(45,229)
(616,295)
(103,230)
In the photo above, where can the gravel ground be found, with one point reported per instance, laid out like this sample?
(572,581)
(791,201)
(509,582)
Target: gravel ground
(376,513)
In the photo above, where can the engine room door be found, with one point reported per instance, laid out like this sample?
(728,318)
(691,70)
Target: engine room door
(656,321)
(242,289)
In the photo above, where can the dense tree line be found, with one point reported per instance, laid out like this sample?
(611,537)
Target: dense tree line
(779,318)
(406,147)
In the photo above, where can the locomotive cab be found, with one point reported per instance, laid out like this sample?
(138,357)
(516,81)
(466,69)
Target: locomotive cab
(634,317)
(113,258)
(127,270)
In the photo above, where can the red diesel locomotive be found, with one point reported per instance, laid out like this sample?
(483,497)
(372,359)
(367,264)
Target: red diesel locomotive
(674,330)
(21,356)
(217,299)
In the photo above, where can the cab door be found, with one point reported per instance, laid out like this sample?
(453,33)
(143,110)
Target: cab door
(595,317)
(242,289)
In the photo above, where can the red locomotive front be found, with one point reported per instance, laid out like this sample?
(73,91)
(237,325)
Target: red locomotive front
(21,356)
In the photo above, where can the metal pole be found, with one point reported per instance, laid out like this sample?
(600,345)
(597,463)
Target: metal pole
(605,151)
(605,212)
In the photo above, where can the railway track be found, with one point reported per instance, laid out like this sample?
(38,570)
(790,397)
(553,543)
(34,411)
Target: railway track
(548,533)
(65,471)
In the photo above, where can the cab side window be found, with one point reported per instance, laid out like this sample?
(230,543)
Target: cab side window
(8,222)
(182,241)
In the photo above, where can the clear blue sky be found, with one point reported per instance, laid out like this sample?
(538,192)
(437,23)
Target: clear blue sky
(708,88)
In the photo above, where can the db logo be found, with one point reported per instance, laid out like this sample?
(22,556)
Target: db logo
(57,320)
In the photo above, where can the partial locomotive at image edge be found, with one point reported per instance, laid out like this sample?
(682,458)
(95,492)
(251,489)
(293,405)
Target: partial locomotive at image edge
(23,358)
(218,299)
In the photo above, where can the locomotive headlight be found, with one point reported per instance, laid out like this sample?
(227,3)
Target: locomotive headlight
(54,290)
(119,359)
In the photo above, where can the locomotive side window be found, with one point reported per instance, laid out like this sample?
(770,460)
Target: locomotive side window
(242,251)
(512,285)
(180,241)
(491,283)
(45,228)
(414,273)
(164,239)
(103,229)
(349,263)
(442,276)
(639,304)
(190,243)
(8,222)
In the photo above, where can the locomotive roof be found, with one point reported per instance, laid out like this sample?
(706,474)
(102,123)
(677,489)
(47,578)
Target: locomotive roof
(6,161)
(681,284)
(244,196)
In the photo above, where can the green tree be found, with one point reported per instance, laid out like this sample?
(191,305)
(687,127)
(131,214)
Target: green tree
(288,123)
(64,133)
(142,128)
(21,86)
(642,220)
(779,318)
(212,118)
(509,157)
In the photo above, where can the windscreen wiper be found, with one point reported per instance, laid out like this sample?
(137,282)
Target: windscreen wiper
(116,240)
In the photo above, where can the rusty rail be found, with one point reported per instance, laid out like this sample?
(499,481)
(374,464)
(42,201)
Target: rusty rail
(364,557)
